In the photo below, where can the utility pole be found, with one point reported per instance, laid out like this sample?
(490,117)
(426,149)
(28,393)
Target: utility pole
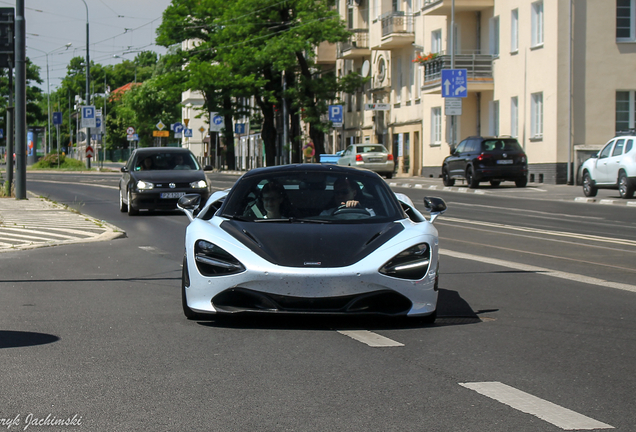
(20,100)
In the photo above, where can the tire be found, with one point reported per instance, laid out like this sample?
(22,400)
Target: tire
(389,175)
(446,178)
(131,210)
(185,281)
(123,207)
(588,185)
(495,183)
(470,178)
(624,187)
(522,182)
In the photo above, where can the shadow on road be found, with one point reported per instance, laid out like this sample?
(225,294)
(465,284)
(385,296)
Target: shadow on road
(14,339)
(452,310)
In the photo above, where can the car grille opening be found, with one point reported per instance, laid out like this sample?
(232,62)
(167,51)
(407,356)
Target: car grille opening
(245,300)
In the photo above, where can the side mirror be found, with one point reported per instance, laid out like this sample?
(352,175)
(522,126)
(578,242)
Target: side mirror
(189,204)
(435,206)
(208,168)
(124,169)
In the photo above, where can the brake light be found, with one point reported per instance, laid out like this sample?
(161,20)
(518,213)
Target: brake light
(484,156)
(389,157)
(358,158)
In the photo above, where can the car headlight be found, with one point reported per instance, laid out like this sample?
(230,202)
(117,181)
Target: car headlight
(411,263)
(212,260)
(201,184)
(142,185)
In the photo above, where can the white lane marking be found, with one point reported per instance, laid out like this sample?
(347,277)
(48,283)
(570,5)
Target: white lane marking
(529,404)
(540,270)
(370,338)
(545,232)
(526,212)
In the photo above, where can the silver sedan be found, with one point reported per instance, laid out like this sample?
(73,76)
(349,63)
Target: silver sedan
(374,157)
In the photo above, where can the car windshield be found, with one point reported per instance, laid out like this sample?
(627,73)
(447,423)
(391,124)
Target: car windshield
(501,145)
(310,196)
(157,161)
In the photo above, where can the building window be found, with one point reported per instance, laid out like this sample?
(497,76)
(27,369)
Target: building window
(625,18)
(537,23)
(514,31)
(494,36)
(411,82)
(398,80)
(625,110)
(514,117)
(536,116)
(436,125)
(436,41)
(494,118)
(350,18)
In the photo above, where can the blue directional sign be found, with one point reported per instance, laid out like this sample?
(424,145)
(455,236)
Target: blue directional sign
(57,118)
(335,114)
(178,128)
(454,83)
(239,128)
(1,133)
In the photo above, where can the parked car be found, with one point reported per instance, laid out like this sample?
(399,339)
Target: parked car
(370,156)
(154,178)
(494,159)
(614,167)
(319,254)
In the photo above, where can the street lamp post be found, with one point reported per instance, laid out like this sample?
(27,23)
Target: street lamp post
(48,90)
(88,62)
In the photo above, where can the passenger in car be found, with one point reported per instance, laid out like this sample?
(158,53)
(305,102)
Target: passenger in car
(272,203)
(180,164)
(147,164)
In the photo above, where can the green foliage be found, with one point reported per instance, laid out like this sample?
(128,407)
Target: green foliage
(50,161)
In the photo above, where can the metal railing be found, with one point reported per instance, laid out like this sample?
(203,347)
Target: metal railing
(478,68)
(359,39)
(397,22)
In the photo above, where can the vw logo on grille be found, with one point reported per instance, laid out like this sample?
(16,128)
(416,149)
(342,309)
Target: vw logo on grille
(172,185)
(505,155)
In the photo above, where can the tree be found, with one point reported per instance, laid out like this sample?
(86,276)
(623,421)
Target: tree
(242,49)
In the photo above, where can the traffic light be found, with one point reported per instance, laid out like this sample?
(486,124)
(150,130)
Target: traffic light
(7,33)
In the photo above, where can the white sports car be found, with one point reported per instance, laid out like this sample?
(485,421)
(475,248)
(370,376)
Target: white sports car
(319,239)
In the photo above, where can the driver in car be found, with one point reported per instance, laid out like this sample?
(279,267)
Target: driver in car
(346,194)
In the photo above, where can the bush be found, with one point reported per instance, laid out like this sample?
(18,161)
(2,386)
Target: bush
(50,161)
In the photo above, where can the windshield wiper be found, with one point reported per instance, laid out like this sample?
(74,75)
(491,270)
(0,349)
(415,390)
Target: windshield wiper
(318,221)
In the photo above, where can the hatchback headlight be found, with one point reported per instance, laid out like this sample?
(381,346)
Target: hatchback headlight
(212,260)
(142,185)
(201,184)
(412,263)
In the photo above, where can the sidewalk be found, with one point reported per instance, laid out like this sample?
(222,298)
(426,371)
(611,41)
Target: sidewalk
(37,222)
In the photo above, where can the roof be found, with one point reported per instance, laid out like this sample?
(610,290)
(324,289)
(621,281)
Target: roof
(119,91)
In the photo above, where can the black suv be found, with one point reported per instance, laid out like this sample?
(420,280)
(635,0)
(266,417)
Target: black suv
(493,159)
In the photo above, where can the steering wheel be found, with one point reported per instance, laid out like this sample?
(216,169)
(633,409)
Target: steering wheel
(343,209)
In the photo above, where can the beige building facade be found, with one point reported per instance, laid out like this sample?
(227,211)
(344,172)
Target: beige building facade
(555,74)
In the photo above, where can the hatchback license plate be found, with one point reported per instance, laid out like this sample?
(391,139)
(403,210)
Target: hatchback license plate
(505,162)
(171,194)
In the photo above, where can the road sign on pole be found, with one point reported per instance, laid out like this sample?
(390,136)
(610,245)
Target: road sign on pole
(217,123)
(453,106)
(454,83)
(335,115)
(88,117)
(57,118)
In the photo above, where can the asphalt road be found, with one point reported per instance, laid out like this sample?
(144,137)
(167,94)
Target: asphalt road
(536,329)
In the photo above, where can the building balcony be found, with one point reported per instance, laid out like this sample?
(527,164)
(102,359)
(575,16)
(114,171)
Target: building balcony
(325,53)
(443,7)
(357,45)
(398,31)
(478,71)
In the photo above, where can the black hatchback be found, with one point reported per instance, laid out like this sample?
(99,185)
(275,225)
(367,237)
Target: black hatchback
(154,178)
(480,159)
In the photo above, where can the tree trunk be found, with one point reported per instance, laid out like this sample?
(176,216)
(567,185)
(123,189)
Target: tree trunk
(229,134)
(315,133)
(268,132)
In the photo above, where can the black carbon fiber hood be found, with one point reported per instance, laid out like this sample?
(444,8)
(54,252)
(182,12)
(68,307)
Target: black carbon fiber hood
(312,245)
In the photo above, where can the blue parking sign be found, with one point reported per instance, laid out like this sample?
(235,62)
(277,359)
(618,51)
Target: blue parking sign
(335,115)
(454,83)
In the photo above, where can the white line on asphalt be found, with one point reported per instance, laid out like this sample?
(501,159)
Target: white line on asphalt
(529,404)
(540,270)
(370,338)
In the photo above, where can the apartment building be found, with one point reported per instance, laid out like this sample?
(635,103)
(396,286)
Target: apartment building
(555,74)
